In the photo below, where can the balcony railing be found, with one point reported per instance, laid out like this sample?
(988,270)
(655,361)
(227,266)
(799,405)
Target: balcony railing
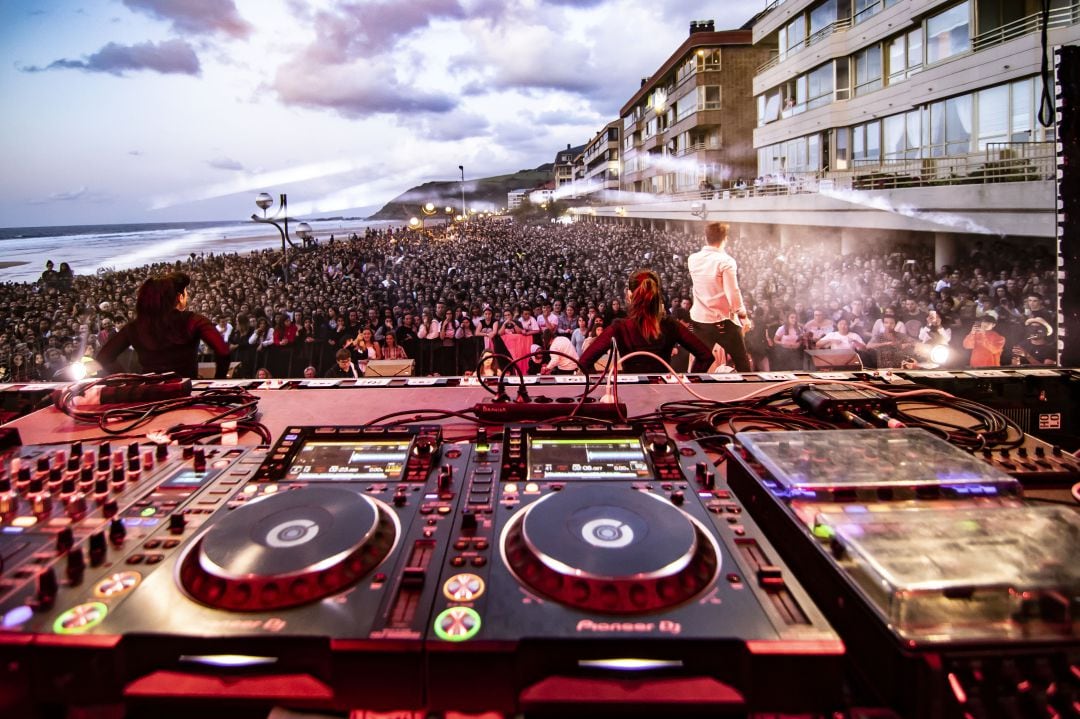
(831,29)
(1000,162)
(1061,17)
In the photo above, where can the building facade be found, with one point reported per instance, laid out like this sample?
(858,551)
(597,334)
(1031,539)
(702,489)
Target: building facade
(932,90)
(599,165)
(690,122)
(565,170)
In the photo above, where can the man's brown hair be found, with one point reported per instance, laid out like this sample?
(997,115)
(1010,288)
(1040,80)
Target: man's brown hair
(716,232)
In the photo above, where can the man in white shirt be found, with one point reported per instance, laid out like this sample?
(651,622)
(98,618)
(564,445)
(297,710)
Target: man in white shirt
(562,363)
(718,311)
(842,338)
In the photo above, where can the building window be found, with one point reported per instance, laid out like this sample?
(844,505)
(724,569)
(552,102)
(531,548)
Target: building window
(841,148)
(865,9)
(902,135)
(793,35)
(819,86)
(866,143)
(950,126)
(868,70)
(993,115)
(708,58)
(904,56)
(948,33)
(708,97)
(822,16)
(768,107)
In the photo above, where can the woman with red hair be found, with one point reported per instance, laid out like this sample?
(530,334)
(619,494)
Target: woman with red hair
(647,328)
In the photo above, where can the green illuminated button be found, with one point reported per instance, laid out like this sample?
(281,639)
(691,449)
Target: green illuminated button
(457,624)
(81,618)
(823,531)
(148,512)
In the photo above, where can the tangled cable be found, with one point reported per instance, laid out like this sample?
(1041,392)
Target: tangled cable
(235,410)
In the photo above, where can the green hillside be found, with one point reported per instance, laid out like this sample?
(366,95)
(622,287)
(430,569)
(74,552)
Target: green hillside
(487,191)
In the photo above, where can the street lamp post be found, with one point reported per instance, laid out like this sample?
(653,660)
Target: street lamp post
(463,212)
(303,230)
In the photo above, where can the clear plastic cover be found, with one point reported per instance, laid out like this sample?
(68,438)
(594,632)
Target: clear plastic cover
(945,574)
(827,463)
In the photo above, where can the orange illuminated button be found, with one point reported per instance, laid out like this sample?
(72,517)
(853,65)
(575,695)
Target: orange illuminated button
(117,583)
(463,587)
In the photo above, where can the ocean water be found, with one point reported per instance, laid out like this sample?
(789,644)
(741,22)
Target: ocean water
(90,249)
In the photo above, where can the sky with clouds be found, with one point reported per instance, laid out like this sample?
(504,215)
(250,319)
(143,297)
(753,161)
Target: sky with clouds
(172,110)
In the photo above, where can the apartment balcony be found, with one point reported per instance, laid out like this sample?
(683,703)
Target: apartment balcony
(999,62)
(822,34)
(1008,189)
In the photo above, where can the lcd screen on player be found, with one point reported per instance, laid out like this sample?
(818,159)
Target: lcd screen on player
(188,479)
(584,458)
(344,460)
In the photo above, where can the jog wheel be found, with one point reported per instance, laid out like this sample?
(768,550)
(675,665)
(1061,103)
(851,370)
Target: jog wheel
(288,549)
(610,549)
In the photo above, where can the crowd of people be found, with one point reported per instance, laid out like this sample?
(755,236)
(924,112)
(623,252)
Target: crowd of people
(455,301)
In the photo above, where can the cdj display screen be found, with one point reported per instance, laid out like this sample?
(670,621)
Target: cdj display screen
(188,479)
(344,460)
(586,458)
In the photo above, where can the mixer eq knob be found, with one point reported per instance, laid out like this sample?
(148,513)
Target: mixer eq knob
(86,479)
(198,460)
(22,478)
(40,498)
(117,532)
(97,549)
(119,479)
(47,587)
(9,499)
(75,566)
(65,538)
(56,476)
(76,505)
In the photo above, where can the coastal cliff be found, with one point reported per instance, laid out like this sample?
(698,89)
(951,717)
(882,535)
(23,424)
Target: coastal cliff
(486,192)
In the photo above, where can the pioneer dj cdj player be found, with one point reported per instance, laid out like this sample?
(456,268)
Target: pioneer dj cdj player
(369,567)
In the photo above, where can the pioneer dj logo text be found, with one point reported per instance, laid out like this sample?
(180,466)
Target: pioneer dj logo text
(665,626)
(273,624)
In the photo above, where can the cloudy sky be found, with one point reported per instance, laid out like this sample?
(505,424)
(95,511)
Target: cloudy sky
(171,110)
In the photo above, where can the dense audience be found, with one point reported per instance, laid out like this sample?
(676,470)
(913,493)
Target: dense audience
(449,301)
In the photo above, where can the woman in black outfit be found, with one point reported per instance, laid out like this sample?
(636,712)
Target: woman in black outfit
(164,333)
(647,328)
